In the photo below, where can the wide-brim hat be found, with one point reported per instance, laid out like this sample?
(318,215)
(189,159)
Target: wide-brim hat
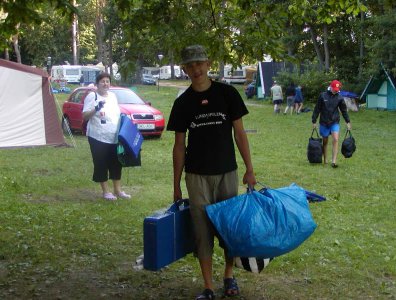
(193,53)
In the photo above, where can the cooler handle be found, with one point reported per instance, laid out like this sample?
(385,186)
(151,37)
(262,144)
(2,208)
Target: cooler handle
(176,205)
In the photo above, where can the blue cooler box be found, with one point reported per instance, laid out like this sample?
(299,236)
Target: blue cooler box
(167,236)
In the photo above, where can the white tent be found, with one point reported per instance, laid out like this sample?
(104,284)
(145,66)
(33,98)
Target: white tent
(28,115)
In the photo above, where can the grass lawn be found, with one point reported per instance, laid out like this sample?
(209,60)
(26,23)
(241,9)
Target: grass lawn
(60,240)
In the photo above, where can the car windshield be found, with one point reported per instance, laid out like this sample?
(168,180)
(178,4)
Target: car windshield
(125,96)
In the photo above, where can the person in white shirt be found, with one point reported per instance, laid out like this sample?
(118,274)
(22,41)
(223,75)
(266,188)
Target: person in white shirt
(102,112)
(277,97)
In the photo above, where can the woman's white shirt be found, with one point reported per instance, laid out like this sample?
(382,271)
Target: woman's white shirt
(104,132)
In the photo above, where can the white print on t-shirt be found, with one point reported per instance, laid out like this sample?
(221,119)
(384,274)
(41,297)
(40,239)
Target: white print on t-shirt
(193,125)
(209,115)
(209,119)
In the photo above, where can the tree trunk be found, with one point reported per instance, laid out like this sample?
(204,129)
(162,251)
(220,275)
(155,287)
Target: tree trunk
(74,37)
(15,44)
(99,29)
(6,54)
(222,47)
(110,62)
(326,47)
(290,47)
(361,46)
(171,63)
(316,45)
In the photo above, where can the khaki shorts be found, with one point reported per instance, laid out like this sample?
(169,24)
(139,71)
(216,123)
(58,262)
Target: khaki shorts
(204,190)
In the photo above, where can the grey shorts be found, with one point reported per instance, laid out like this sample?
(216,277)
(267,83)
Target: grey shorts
(290,100)
(204,190)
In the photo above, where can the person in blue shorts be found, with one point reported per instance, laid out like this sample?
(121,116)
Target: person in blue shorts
(298,100)
(328,106)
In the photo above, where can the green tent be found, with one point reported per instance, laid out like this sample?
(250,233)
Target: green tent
(380,91)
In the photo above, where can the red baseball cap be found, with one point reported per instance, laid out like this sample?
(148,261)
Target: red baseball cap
(335,85)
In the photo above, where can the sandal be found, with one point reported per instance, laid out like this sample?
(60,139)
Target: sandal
(123,195)
(230,287)
(109,196)
(206,294)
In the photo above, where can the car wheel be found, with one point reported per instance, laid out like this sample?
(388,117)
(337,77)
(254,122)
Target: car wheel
(65,125)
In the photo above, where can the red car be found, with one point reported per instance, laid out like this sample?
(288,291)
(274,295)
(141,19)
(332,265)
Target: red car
(149,120)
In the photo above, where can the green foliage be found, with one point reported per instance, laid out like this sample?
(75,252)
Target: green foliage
(51,39)
(349,37)
(382,42)
(16,13)
(60,240)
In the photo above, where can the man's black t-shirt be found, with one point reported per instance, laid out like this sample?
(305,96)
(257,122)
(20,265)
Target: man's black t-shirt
(208,117)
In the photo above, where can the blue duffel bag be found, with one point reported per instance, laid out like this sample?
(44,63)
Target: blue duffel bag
(263,224)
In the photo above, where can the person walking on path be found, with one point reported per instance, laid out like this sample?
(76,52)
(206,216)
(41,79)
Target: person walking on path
(211,112)
(328,106)
(277,97)
(298,100)
(290,93)
(102,112)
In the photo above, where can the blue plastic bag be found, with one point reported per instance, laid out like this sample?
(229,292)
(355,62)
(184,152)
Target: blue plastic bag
(263,224)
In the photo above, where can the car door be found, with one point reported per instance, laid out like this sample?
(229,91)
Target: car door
(76,105)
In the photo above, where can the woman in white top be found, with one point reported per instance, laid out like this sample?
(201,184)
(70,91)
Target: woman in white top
(102,112)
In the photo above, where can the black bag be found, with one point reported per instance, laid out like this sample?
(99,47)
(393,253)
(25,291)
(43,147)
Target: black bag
(348,145)
(315,148)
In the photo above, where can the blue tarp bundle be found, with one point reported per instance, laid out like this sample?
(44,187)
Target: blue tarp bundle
(263,224)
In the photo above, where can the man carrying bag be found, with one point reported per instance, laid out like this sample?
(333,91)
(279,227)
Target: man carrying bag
(328,106)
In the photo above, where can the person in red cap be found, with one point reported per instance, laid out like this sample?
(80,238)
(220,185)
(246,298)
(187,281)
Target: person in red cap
(328,106)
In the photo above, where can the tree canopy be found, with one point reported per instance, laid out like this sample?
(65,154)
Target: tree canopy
(345,37)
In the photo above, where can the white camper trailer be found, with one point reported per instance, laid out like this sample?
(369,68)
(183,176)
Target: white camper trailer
(235,75)
(165,72)
(68,73)
(72,74)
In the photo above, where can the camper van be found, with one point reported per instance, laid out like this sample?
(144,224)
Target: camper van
(68,73)
(234,75)
(240,75)
(72,74)
(165,72)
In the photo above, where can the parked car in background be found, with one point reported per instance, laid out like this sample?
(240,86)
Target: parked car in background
(148,79)
(149,120)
